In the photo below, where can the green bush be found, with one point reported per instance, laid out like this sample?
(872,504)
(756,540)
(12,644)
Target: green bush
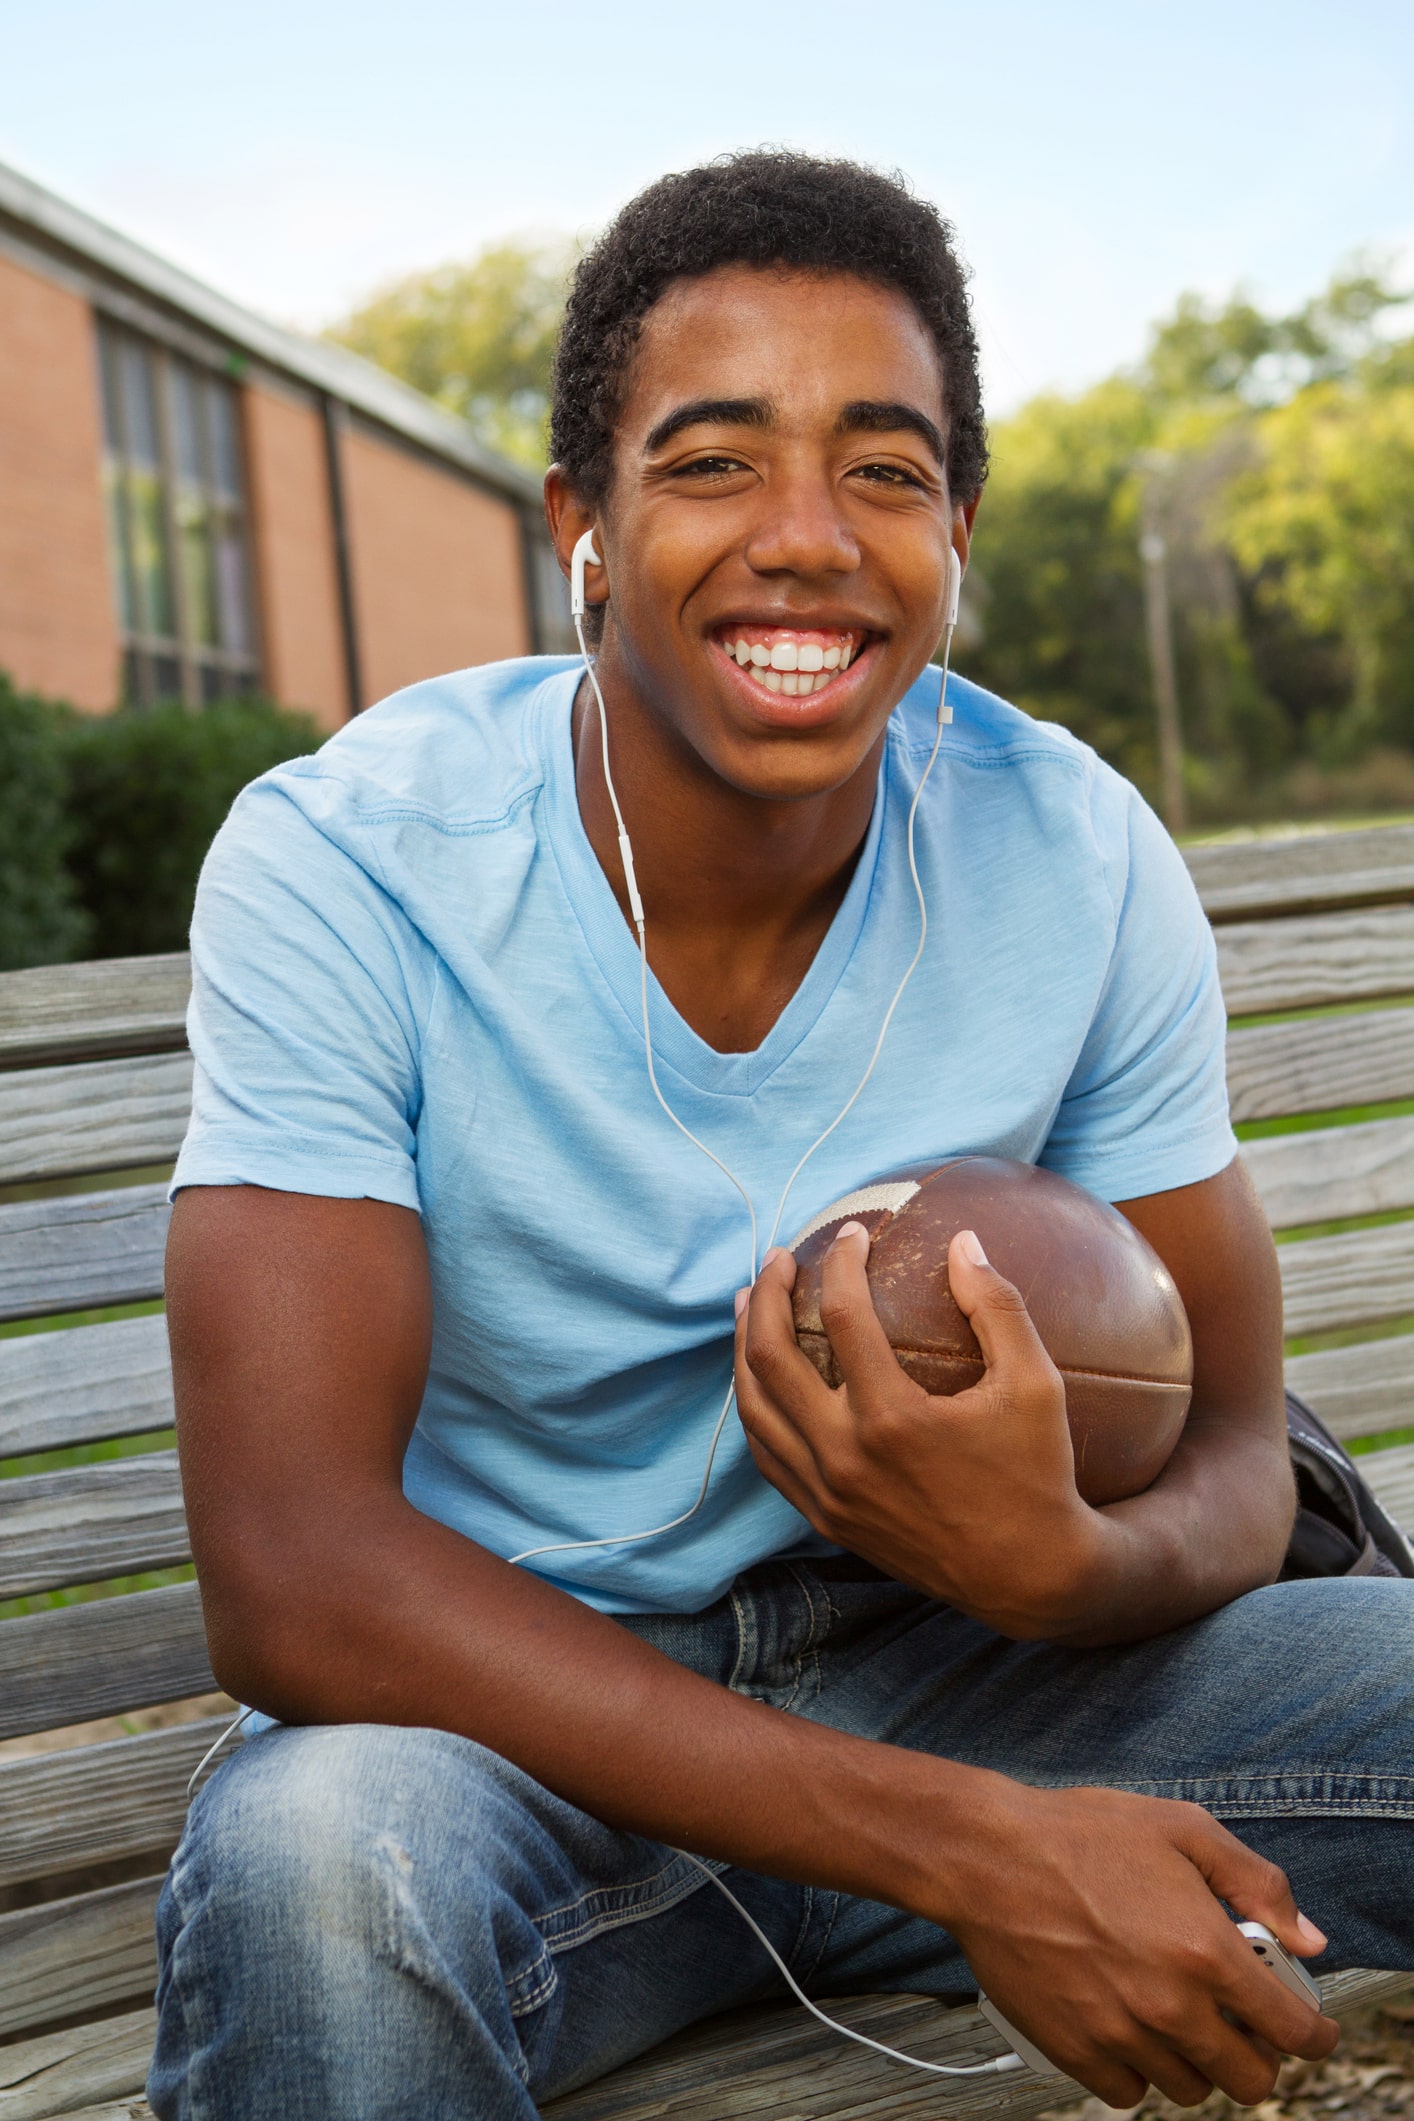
(147,790)
(41,919)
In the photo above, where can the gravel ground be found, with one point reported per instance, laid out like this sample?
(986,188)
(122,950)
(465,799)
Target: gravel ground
(1370,2077)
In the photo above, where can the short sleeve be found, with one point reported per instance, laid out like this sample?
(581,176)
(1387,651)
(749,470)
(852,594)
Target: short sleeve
(1146,1107)
(306,993)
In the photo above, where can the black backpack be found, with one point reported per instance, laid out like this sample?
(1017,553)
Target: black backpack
(1340,1529)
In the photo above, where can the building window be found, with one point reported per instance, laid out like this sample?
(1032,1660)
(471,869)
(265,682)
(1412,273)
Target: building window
(175,496)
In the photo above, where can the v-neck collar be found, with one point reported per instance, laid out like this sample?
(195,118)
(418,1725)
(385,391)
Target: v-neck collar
(614,947)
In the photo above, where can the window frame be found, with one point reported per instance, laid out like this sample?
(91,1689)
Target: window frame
(203,672)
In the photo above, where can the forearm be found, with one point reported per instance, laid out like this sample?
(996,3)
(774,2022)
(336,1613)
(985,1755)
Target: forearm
(1214,1525)
(429,1630)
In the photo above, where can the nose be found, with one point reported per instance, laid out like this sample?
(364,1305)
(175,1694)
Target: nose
(801,529)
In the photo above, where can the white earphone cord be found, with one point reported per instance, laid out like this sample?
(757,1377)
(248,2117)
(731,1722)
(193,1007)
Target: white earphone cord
(936,2069)
(625,1539)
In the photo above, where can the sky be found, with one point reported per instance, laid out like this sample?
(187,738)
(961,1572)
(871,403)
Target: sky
(1097,159)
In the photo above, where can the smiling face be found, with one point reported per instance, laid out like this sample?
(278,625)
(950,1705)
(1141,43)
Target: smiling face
(776,535)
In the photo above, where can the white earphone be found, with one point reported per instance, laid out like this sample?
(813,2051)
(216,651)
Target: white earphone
(583,556)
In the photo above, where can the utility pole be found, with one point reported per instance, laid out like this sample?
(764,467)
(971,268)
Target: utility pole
(1153,551)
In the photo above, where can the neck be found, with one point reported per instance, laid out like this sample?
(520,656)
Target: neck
(738,890)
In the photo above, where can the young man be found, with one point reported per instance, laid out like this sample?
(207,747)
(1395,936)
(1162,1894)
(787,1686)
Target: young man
(447,1285)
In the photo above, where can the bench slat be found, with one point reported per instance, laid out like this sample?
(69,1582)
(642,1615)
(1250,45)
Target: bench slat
(74,1955)
(108,1115)
(1328,1173)
(774,2063)
(83,1385)
(101,1659)
(695,2087)
(87,1523)
(1391,1475)
(89,1011)
(82,1251)
(1361,1390)
(95,1803)
(1317,960)
(60,2073)
(1303,870)
(1357,1278)
(1320,1063)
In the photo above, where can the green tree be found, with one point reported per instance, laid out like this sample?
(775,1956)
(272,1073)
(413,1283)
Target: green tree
(1240,436)
(1323,521)
(479,337)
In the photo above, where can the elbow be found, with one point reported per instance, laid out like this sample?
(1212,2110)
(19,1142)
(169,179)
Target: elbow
(271,1621)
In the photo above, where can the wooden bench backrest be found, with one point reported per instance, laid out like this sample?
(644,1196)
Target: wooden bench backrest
(1316,941)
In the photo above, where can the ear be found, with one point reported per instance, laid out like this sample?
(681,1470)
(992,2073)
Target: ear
(568,518)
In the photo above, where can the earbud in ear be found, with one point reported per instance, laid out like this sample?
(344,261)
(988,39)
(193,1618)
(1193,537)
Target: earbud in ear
(954,587)
(584,555)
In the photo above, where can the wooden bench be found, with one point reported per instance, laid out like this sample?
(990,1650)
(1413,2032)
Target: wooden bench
(1316,939)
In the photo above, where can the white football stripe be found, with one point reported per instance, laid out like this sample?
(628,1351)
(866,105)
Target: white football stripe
(891,1196)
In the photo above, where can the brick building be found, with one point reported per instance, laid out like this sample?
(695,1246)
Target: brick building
(195,503)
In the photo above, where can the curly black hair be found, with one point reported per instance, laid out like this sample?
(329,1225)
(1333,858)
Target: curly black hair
(767,207)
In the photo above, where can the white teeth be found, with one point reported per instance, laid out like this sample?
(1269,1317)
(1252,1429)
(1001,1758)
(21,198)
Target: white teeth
(791,683)
(742,651)
(784,656)
(831,659)
(846,656)
(772,680)
(812,656)
(761,657)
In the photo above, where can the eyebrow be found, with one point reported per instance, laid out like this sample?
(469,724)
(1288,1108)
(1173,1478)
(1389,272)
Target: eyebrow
(863,416)
(713,412)
(879,416)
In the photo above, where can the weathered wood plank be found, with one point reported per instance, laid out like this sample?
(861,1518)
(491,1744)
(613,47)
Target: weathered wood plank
(101,1659)
(1361,1390)
(773,2063)
(94,1803)
(1391,1475)
(90,1011)
(61,2073)
(84,1384)
(108,1115)
(1243,879)
(81,1954)
(1317,960)
(1357,1278)
(87,1523)
(133,2108)
(1329,1173)
(1320,1063)
(82,1251)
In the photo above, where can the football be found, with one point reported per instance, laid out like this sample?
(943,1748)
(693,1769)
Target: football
(1099,1296)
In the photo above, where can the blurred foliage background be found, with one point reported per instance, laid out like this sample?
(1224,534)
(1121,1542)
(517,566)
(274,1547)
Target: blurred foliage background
(1273,453)
(479,337)
(105,819)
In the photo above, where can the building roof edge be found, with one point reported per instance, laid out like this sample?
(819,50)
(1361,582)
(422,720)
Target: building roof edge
(346,376)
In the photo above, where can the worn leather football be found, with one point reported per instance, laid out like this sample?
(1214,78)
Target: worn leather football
(1099,1295)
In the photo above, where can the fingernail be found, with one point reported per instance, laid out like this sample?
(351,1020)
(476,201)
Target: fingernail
(741,1300)
(1311,1935)
(777,1252)
(848,1230)
(970,1246)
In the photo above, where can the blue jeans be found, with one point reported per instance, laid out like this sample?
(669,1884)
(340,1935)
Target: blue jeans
(364,1922)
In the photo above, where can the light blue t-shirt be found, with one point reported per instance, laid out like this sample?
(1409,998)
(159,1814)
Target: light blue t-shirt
(413,982)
